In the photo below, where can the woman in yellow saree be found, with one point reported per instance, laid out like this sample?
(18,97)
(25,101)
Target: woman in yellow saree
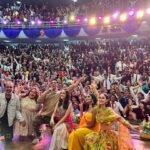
(107,138)
(76,138)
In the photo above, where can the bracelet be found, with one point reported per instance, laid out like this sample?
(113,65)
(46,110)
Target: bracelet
(126,123)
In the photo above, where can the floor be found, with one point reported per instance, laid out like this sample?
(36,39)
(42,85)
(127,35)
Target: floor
(44,144)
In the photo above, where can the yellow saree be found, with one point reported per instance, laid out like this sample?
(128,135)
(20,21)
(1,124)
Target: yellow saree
(107,138)
(76,138)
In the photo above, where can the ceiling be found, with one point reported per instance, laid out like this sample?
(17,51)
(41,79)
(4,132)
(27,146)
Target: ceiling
(52,3)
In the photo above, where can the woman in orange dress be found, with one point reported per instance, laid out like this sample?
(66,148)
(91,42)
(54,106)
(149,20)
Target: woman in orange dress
(76,138)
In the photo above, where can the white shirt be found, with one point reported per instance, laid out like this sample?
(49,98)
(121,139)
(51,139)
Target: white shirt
(107,83)
(136,78)
(114,78)
(120,65)
(98,78)
(117,107)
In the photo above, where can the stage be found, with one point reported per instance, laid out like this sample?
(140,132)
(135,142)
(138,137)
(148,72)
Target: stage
(45,142)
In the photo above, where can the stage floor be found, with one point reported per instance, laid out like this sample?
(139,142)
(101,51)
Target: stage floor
(44,144)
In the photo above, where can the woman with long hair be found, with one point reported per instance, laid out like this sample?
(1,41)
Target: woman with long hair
(76,138)
(28,110)
(61,122)
(139,113)
(107,138)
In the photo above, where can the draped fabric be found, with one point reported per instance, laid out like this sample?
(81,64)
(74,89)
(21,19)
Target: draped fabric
(131,26)
(92,30)
(27,105)
(107,138)
(72,31)
(88,117)
(32,32)
(59,139)
(125,141)
(76,138)
(11,33)
(53,32)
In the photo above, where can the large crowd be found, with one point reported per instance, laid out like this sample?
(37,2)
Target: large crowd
(25,12)
(87,93)
(82,71)
(117,67)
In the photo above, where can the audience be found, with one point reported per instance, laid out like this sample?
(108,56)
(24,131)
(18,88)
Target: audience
(63,85)
(111,66)
(26,12)
(83,70)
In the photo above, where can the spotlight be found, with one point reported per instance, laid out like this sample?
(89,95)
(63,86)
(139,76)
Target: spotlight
(18,22)
(52,21)
(106,20)
(39,22)
(92,21)
(140,14)
(99,17)
(115,15)
(72,18)
(123,17)
(65,21)
(78,20)
(131,13)
(85,19)
(148,11)
(25,19)
(74,1)
(32,22)
(4,22)
(18,2)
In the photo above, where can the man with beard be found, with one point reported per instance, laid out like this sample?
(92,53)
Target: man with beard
(49,99)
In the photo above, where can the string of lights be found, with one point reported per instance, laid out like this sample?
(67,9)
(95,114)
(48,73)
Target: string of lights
(94,20)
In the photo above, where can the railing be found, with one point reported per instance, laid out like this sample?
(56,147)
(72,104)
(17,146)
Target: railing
(62,24)
(42,25)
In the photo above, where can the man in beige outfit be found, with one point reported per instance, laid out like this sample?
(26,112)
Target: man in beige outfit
(49,99)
